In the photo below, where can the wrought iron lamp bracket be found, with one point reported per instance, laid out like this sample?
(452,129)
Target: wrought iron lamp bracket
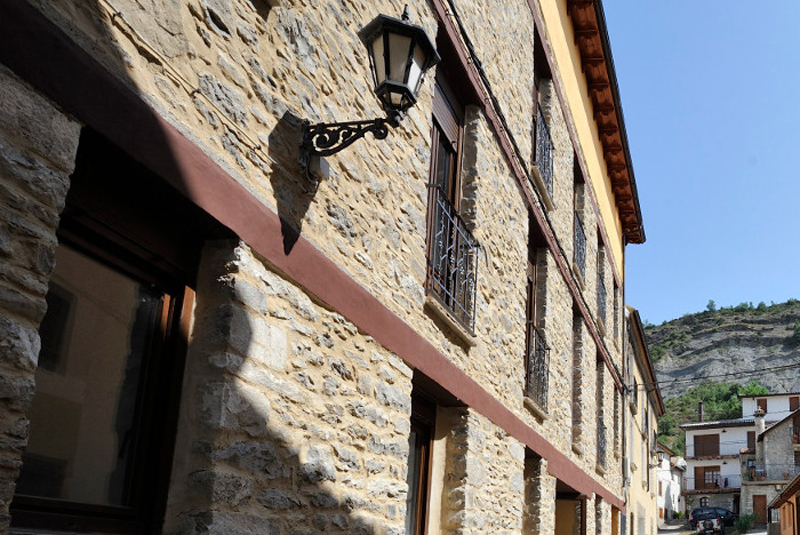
(324,139)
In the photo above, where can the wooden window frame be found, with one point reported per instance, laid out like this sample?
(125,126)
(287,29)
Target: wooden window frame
(156,421)
(423,422)
(138,226)
(535,358)
(701,475)
(448,126)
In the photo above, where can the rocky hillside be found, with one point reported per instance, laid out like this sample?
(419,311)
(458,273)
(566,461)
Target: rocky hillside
(724,344)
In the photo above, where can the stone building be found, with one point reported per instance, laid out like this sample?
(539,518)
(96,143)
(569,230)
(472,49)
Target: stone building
(775,461)
(640,422)
(421,334)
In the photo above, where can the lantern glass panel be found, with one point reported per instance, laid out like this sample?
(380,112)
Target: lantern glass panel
(379,61)
(399,46)
(415,73)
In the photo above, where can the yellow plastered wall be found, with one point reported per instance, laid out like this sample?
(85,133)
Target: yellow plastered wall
(574,89)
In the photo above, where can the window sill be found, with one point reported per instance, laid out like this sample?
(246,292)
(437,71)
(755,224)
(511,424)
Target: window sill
(577,448)
(578,277)
(539,413)
(542,188)
(440,311)
(601,326)
(600,469)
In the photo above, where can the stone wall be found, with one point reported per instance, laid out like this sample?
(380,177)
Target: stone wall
(236,76)
(37,153)
(778,448)
(293,420)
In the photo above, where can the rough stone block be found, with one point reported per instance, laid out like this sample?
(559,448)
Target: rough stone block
(19,345)
(36,124)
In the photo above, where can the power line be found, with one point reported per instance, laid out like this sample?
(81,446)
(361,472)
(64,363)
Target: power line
(747,373)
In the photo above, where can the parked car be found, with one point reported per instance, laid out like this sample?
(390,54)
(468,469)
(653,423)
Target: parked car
(710,522)
(694,514)
(728,517)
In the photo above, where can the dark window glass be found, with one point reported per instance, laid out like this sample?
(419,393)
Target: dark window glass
(84,431)
(711,478)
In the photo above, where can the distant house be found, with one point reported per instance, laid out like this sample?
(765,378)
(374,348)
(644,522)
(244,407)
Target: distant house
(741,464)
(775,461)
(714,476)
(670,475)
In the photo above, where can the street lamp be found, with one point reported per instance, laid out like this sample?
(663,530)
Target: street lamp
(399,55)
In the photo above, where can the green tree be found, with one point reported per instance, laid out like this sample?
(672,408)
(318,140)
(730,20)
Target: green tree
(753,389)
(711,306)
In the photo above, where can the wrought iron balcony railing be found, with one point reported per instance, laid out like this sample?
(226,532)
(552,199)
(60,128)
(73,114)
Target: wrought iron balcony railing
(543,156)
(769,472)
(453,261)
(580,247)
(537,376)
(601,298)
(722,482)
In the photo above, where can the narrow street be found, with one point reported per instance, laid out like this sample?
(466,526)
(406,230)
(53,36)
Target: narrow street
(680,527)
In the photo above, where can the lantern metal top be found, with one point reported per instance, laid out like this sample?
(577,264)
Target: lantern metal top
(385,23)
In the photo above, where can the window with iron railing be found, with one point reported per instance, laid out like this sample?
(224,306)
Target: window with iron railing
(615,311)
(600,414)
(579,256)
(537,367)
(453,260)
(452,249)
(543,155)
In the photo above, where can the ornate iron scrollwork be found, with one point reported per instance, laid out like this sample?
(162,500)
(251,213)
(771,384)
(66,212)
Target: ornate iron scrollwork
(325,139)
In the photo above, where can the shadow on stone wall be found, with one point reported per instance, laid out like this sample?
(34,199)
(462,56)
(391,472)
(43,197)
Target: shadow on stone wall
(246,475)
(293,191)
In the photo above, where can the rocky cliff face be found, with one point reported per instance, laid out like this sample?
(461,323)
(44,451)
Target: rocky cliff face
(727,345)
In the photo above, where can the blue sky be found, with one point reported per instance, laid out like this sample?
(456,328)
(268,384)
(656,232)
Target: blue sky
(711,95)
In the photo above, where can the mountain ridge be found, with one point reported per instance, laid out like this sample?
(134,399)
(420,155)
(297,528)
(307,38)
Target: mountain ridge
(730,344)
